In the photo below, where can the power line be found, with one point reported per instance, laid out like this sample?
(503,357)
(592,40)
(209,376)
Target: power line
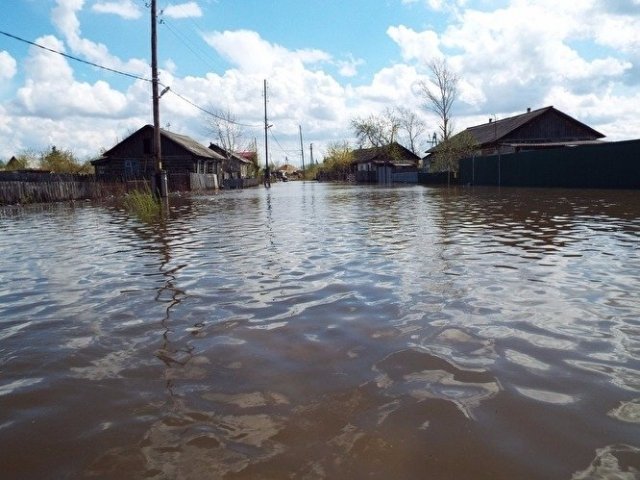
(219,117)
(130,75)
(189,44)
(282,149)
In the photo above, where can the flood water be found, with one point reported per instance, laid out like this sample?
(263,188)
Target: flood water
(319,331)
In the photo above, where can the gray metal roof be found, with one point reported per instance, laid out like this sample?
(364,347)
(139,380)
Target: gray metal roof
(496,131)
(381,155)
(218,150)
(190,144)
(185,142)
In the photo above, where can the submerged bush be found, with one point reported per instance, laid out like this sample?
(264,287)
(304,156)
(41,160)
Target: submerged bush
(143,203)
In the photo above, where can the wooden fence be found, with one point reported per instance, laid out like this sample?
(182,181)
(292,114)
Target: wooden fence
(45,187)
(203,181)
(53,190)
(38,187)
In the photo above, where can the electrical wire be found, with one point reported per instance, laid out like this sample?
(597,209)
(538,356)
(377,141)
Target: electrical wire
(282,149)
(188,44)
(130,75)
(204,110)
(113,70)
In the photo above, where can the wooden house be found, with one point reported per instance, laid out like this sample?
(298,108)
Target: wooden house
(288,172)
(234,165)
(133,158)
(378,164)
(534,130)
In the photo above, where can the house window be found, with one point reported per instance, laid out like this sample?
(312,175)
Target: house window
(146,146)
(132,168)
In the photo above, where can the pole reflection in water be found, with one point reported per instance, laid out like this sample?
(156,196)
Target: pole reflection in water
(325,331)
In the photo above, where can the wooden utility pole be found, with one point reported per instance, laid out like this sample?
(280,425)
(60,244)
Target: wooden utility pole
(311,152)
(154,87)
(159,180)
(267,173)
(301,147)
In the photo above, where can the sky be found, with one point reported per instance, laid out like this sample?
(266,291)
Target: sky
(326,62)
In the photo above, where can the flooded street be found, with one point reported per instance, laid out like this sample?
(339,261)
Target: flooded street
(319,331)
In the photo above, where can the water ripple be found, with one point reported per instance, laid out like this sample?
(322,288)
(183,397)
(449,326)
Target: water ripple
(324,331)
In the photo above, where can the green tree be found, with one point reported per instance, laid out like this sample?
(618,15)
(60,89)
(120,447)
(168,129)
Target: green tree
(2,164)
(449,152)
(254,168)
(311,172)
(60,161)
(337,161)
(21,161)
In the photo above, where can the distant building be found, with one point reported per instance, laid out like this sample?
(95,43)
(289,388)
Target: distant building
(234,166)
(378,164)
(288,172)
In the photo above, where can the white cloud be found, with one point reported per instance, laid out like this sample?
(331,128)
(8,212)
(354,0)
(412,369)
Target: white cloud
(123,8)
(51,107)
(415,46)
(65,18)
(529,53)
(349,67)
(252,54)
(183,10)
(51,91)
(390,86)
(8,66)
(438,5)
(510,58)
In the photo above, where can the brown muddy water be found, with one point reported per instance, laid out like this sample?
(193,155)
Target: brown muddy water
(319,331)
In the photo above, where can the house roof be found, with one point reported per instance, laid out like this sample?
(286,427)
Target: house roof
(184,141)
(190,144)
(222,152)
(380,155)
(288,168)
(498,130)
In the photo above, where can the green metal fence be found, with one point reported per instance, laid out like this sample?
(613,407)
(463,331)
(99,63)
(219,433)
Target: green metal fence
(606,165)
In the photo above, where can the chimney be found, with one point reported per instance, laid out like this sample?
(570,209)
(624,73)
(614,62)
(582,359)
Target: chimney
(528,109)
(490,120)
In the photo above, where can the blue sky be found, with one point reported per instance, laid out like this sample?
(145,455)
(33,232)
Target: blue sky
(326,62)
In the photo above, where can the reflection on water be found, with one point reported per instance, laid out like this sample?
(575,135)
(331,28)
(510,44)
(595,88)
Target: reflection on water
(323,331)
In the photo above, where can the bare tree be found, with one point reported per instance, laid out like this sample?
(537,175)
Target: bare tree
(225,128)
(228,134)
(413,127)
(376,130)
(387,128)
(439,93)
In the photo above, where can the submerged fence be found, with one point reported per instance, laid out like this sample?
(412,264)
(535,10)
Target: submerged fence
(43,187)
(606,165)
(38,187)
(23,192)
